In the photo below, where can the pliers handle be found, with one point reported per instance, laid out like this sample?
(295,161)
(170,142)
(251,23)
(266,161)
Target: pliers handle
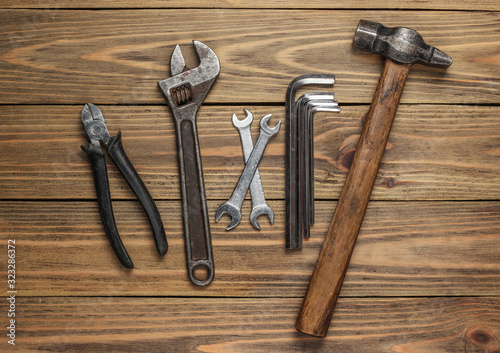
(96,129)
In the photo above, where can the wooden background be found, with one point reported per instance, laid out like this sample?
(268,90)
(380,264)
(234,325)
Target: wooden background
(425,274)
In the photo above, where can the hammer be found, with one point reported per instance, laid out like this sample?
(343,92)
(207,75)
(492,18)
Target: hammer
(402,47)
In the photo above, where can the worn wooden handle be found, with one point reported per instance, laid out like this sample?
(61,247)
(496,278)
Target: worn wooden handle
(319,302)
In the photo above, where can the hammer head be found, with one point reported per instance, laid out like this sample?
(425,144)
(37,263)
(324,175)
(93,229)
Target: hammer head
(403,45)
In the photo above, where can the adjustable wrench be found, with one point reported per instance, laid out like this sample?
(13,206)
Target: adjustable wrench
(233,205)
(259,205)
(185,91)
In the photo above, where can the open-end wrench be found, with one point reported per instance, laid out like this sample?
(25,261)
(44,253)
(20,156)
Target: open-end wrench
(293,241)
(259,205)
(185,91)
(233,206)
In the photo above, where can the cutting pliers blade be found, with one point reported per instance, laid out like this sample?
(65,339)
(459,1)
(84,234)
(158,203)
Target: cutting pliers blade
(93,121)
(97,132)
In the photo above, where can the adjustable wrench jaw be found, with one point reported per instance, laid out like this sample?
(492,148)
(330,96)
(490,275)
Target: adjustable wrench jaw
(186,90)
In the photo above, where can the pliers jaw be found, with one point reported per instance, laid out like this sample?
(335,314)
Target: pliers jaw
(96,130)
(93,121)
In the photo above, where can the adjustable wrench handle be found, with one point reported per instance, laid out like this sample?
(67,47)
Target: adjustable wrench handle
(321,297)
(194,204)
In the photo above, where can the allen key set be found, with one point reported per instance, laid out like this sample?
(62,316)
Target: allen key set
(299,162)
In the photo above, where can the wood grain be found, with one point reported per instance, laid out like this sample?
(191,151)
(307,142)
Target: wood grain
(403,325)
(434,152)
(425,272)
(403,249)
(51,5)
(65,56)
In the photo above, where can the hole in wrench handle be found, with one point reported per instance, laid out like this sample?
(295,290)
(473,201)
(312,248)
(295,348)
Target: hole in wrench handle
(194,209)
(201,272)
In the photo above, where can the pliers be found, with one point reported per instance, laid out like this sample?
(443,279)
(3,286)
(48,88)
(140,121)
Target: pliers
(97,132)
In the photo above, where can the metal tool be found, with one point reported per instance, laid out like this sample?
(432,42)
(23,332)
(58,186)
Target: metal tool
(299,157)
(323,107)
(259,204)
(293,203)
(306,126)
(233,206)
(185,92)
(96,129)
(304,189)
(306,110)
(402,47)
(306,157)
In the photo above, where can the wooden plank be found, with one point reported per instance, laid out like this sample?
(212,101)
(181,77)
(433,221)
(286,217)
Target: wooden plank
(54,5)
(404,249)
(434,152)
(420,325)
(119,56)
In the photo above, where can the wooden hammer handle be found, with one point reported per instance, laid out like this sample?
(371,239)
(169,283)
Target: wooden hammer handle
(319,302)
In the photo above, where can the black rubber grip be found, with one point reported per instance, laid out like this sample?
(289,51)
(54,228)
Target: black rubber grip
(98,162)
(118,156)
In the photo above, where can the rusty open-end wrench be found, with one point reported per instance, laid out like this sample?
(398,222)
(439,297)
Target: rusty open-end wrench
(233,206)
(259,204)
(185,91)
